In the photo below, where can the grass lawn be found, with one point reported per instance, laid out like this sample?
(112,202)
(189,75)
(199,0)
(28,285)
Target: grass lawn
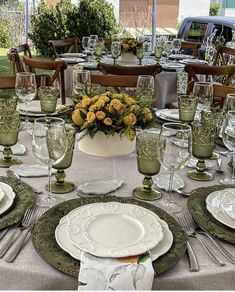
(5,67)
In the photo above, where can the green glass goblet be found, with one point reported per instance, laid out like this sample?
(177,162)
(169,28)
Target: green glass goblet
(7,104)
(187,105)
(48,99)
(9,130)
(147,147)
(158,52)
(140,53)
(203,140)
(60,186)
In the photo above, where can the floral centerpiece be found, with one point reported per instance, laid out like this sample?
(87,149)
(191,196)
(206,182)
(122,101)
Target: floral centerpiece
(130,45)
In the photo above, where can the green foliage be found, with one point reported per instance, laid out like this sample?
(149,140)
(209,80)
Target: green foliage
(5,41)
(67,20)
(214,9)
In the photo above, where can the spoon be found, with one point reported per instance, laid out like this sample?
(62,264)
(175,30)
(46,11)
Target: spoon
(11,173)
(219,162)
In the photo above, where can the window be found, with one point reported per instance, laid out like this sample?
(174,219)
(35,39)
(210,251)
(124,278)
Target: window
(230,4)
(197,31)
(225,31)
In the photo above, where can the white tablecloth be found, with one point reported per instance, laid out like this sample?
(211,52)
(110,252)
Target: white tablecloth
(30,272)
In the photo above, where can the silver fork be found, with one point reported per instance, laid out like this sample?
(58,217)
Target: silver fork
(189,228)
(14,235)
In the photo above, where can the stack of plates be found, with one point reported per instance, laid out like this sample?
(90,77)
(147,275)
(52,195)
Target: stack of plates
(7,197)
(113,230)
(221,205)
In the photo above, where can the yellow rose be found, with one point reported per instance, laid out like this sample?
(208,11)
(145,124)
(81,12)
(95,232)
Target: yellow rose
(93,108)
(104,98)
(147,115)
(94,98)
(78,116)
(86,102)
(107,121)
(118,95)
(130,100)
(78,105)
(116,104)
(99,104)
(129,119)
(100,115)
(125,46)
(90,117)
(135,108)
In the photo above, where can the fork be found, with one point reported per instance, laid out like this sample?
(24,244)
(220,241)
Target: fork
(26,221)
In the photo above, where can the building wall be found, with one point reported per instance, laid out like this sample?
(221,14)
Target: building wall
(193,8)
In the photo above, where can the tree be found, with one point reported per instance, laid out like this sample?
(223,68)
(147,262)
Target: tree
(214,9)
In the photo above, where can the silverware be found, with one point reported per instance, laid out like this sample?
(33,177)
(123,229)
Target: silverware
(189,228)
(3,232)
(26,221)
(193,263)
(21,239)
(11,173)
(219,163)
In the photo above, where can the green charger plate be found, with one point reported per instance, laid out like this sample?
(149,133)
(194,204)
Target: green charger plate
(43,235)
(24,199)
(197,208)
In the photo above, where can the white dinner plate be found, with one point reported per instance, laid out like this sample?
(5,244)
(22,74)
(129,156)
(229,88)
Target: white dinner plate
(229,210)
(172,66)
(181,56)
(100,187)
(71,60)
(2,194)
(73,55)
(114,229)
(214,204)
(7,199)
(171,115)
(193,61)
(89,65)
(65,244)
(162,181)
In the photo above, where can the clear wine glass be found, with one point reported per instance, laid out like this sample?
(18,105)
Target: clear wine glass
(49,145)
(145,83)
(92,43)
(26,89)
(204,93)
(175,138)
(229,103)
(176,45)
(85,44)
(167,49)
(148,49)
(115,51)
(81,79)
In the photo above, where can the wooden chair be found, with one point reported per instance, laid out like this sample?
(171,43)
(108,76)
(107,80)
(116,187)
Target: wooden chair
(129,70)
(57,45)
(58,68)
(224,56)
(8,82)
(114,80)
(191,47)
(15,57)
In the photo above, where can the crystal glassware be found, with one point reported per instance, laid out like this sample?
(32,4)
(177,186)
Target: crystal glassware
(187,105)
(92,43)
(115,50)
(145,83)
(204,92)
(9,130)
(175,138)
(85,45)
(229,103)
(26,89)
(148,48)
(98,50)
(167,49)
(81,79)
(61,186)
(158,51)
(49,145)
(147,148)
(203,140)
(176,45)
(48,96)
(140,53)
(7,104)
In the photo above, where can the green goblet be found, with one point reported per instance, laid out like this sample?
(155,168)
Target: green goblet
(140,53)
(9,130)
(203,140)
(187,105)
(7,104)
(60,186)
(147,147)
(48,99)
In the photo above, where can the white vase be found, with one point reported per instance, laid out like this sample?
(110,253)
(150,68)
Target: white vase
(106,146)
(129,58)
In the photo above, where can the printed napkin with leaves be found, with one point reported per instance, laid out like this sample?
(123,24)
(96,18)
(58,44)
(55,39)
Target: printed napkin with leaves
(130,273)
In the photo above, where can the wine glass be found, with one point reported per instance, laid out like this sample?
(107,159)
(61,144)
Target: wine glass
(26,89)
(204,93)
(167,49)
(147,147)
(228,136)
(158,51)
(148,48)
(98,50)
(175,139)
(49,145)
(91,43)
(140,53)
(187,105)
(85,44)
(145,84)
(229,103)
(176,45)
(115,51)
(48,96)
(81,79)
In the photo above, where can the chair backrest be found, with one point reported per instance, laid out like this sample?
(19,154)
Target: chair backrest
(57,67)
(192,46)
(129,70)
(224,56)
(55,45)
(227,72)
(114,80)
(15,58)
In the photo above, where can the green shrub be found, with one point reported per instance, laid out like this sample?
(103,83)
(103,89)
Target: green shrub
(214,9)
(5,41)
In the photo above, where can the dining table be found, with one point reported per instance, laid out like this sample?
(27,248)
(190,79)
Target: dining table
(29,271)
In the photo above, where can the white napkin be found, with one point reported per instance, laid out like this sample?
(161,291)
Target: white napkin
(33,170)
(96,273)
(100,187)
(17,149)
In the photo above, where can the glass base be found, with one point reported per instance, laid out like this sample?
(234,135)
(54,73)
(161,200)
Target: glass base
(7,163)
(62,188)
(170,206)
(214,156)
(45,202)
(227,181)
(26,125)
(196,175)
(147,195)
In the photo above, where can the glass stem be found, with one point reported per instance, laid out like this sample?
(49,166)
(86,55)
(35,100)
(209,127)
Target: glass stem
(170,183)
(49,183)
(26,111)
(233,167)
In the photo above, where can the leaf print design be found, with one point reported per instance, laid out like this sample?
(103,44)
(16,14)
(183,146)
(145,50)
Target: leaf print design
(137,271)
(118,271)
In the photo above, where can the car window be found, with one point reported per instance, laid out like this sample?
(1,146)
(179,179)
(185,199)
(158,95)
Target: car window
(225,31)
(197,31)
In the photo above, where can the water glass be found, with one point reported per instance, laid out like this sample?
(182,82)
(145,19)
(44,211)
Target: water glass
(85,44)
(229,103)
(147,149)
(187,105)
(204,92)
(7,104)
(48,96)
(91,44)
(98,50)
(9,131)
(176,45)
(81,79)
(167,49)
(158,51)
(148,48)
(140,53)
(145,84)
(115,51)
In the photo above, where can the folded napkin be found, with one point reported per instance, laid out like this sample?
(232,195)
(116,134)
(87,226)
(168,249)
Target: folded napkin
(17,149)
(100,187)
(169,113)
(34,170)
(132,273)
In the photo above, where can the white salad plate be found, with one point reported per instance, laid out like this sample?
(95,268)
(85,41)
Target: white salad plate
(61,237)
(2,194)
(171,115)
(229,209)
(33,170)
(7,199)
(162,181)
(73,55)
(100,187)
(71,60)
(172,66)
(193,61)
(215,203)
(114,229)
(89,65)
(181,56)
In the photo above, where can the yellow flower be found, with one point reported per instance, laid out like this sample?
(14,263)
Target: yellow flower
(95,98)
(118,95)
(100,115)
(99,104)
(135,108)
(104,98)
(93,108)
(86,102)
(147,115)
(116,104)
(107,121)
(129,119)
(90,117)
(78,116)
(129,100)
(125,46)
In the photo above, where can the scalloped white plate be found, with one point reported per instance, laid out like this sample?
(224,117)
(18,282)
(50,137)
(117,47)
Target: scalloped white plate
(8,197)
(100,187)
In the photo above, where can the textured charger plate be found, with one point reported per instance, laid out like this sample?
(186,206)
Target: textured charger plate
(24,199)
(197,208)
(43,235)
